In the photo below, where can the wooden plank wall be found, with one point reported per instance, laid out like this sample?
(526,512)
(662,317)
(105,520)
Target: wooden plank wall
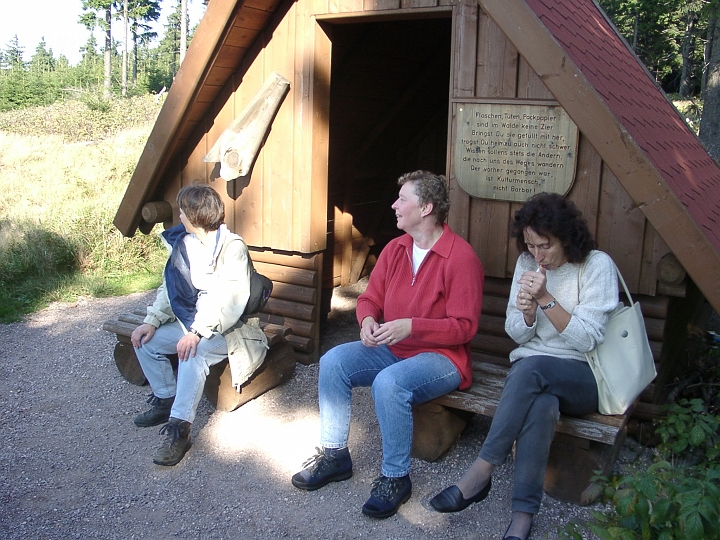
(282,203)
(295,298)
(487,65)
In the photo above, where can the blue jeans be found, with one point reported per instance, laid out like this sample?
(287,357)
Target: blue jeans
(191,373)
(537,390)
(397,385)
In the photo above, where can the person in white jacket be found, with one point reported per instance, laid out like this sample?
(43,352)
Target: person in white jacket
(198,315)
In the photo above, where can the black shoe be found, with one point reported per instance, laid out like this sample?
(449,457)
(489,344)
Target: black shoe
(386,496)
(527,537)
(328,465)
(176,443)
(159,412)
(451,499)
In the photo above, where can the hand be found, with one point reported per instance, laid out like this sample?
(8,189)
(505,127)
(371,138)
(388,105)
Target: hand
(187,346)
(534,283)
(527,305)
(392,332)
(367,328)
(142,335)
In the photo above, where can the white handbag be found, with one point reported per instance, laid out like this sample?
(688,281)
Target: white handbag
(623,364)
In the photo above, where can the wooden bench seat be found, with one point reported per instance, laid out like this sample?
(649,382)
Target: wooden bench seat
(278,366)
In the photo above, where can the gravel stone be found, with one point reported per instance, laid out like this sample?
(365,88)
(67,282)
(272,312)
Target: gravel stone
(73,464)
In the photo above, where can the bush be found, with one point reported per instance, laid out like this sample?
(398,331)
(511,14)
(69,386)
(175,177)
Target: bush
(678,496)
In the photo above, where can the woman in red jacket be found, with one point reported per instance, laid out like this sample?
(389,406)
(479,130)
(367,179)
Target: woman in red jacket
(417,317)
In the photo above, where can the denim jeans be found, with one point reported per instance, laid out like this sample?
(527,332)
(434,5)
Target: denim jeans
(191,373)
(397,385)
(537,390)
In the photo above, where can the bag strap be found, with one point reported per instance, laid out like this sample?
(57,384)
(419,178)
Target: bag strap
(617,271)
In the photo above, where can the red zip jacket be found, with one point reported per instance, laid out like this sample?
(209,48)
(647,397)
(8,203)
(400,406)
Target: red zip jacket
(443,299)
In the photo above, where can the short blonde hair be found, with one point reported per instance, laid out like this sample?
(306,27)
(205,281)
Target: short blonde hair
(430,188)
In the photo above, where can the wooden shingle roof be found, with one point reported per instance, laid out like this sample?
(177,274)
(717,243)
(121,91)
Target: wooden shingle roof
(646,114)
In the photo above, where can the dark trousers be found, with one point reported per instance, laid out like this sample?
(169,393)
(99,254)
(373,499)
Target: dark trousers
(537,390)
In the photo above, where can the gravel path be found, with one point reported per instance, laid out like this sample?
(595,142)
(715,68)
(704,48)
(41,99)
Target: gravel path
(73,464)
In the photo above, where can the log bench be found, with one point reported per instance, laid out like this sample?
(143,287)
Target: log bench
(582,445)
(278,366)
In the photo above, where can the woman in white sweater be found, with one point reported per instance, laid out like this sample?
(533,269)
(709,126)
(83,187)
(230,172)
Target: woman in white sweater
(555,316)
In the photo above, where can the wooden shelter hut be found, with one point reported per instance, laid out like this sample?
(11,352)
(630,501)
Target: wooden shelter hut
(505,97)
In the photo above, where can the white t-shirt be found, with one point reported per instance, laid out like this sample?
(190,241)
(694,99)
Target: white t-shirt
(418,257)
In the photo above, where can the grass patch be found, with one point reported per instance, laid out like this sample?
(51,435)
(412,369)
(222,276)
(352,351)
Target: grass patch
(57,240)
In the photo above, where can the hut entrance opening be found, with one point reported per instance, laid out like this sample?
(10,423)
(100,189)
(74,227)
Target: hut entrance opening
(389,103)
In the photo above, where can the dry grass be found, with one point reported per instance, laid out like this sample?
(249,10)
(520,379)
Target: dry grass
(59,198)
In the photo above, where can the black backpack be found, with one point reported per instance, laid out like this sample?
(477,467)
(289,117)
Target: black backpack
(260,289)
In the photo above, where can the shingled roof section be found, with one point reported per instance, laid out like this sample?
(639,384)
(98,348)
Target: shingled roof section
(603,56)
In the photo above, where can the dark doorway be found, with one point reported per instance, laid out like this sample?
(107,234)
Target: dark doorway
(389,96)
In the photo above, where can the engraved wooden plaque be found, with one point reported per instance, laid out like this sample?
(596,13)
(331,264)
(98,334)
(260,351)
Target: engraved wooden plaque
(510,151)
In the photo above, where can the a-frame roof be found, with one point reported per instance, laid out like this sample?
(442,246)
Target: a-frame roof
(630,122)
(590,71)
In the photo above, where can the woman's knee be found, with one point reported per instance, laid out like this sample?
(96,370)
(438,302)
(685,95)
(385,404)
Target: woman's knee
(530,370)
(386,386)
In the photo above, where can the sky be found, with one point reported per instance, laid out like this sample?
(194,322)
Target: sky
(57,22)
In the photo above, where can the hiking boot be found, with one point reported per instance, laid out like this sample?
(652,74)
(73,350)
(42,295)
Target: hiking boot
(159,412)
(386,496)
(176,443)
(328,465)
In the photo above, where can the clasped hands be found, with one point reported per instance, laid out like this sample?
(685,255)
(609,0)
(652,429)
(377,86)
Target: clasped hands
(373,334)
(532,290)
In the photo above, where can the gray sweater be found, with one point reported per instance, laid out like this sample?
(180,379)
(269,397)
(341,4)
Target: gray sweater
(598,296)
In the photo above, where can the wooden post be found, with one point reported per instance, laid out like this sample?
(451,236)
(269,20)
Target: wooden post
(238,146)
(157,212)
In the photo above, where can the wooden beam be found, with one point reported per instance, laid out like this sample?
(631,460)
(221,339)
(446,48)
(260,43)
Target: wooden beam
(188,81)
(626,159)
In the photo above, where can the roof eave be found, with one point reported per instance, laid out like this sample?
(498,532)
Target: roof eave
(163,138)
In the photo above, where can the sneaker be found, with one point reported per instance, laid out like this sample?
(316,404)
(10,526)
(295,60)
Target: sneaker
(386,496)
(176,443)
(328,465)
(159,412)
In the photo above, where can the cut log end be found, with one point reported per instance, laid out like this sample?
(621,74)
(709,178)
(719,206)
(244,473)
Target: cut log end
(127,363)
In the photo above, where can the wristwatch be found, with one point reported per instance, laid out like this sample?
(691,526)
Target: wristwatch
(550,305)
(193,331)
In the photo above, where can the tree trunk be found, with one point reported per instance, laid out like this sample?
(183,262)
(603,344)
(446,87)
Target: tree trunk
(183,29)
(710,122)
(135,53)
(688,48)
(108,47)
(125,49)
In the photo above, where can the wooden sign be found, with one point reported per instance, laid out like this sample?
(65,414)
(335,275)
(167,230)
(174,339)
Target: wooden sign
(510,151)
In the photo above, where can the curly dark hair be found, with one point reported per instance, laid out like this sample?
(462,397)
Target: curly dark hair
(430,188)
(552,214)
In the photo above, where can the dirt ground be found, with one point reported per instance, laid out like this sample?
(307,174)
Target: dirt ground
(73,464)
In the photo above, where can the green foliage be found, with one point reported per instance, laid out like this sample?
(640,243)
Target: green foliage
(90,118)
(46,79)
(677,497)
(659,31)
(691,431)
